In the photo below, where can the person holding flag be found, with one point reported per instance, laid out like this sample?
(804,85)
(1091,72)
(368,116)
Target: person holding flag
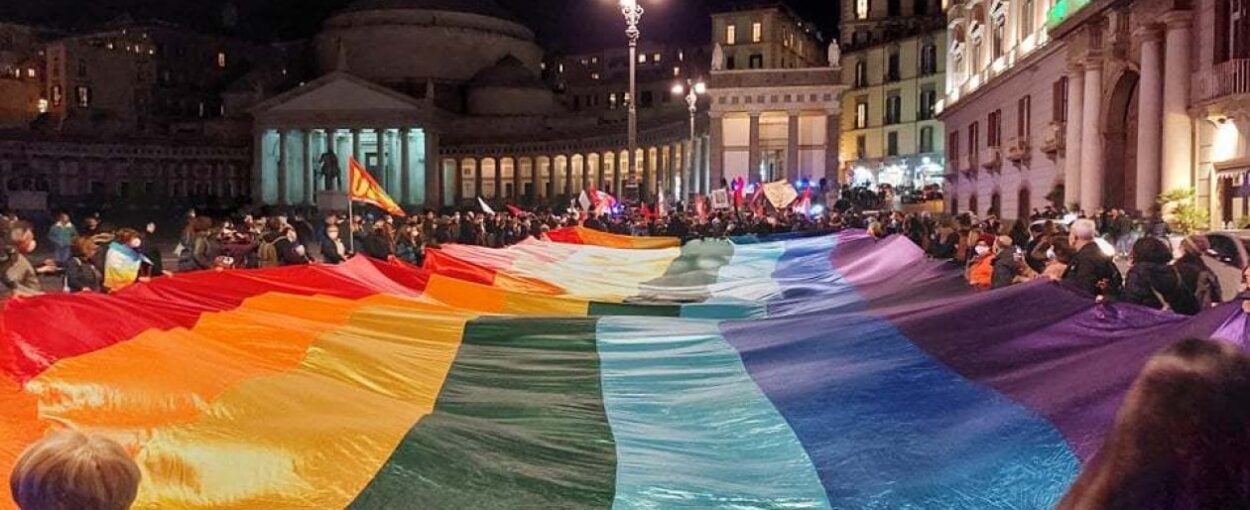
(124,263)
(363,188)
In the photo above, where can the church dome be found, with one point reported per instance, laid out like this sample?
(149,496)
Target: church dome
(401,42)
(482,7)
(509,88)
(509,72)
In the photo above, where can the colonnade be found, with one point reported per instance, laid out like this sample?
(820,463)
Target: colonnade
(675,169)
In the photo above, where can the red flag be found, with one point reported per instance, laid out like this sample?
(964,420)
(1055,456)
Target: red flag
(646,212)
(362,188)
(700,207)
(516,211)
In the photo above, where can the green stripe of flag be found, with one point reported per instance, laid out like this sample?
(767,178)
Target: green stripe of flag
(519,423)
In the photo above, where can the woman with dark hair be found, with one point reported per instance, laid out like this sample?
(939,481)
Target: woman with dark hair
(1152,281)
(1182,438)
(1196,276)
(81,275)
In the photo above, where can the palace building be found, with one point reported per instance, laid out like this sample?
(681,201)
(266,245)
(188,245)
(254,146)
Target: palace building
(891,64)
(775,99)
(1097,104)
(447,101)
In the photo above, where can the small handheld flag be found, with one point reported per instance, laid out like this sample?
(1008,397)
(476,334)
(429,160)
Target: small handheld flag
(361,187)
(485,206)
(121,266)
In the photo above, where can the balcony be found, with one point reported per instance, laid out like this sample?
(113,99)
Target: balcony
(1225,79)
(991,158)
(1018,150)
(1053,138)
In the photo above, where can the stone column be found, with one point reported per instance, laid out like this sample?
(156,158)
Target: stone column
(258,170)
(1091,137)
(356,151)
(383,175)
(753,158)
(310,180)
(433,171)
(833,164)
(282,168)
(715,153)
(458,194)
(477,178)
(1072,135)
(670,175)
(792,147)
(706,165)
(1177,127)
(1149,119)
(331,145)
(405,168)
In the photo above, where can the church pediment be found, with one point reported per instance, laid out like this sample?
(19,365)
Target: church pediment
(339,93)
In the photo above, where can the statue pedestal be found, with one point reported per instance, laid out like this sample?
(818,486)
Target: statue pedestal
(332,201)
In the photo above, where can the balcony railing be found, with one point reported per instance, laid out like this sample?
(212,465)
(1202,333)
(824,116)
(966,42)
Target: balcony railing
(1225,79)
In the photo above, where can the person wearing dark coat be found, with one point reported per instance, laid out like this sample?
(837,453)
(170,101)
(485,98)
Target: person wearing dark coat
(81,274)
(1091,270)
(1007,262)
(1155,283)
(1196,276)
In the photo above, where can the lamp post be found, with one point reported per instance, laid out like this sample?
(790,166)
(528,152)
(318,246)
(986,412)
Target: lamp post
(693,89)
(633,14)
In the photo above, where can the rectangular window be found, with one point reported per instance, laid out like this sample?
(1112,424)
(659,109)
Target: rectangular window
(82,68)
(82,95)
(928,101)
(1026,18)
(612,101)
(731,35)
(757,32)
(921,7)
(861,9)
(926,139)
(928,59)
(893,108)
(952,148)
(1059,97)
(861,114)
(861,146)
(974,135)
(994,129)
(757,61)
(221,59)
(656,58)
(891,72)
(645,99)
(893,8)
(58,96)
(891,143)
(861,74)
(1024,116)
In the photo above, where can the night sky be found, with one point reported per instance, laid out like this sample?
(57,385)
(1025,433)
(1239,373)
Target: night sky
(563,25)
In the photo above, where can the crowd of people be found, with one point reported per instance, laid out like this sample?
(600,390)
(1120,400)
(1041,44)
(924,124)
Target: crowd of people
(1052,246)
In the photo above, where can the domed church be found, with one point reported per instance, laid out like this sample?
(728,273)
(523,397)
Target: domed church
(445,101)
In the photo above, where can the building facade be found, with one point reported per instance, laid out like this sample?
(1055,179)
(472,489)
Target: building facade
(777,117)
(890,62)
(475,110)
(1111,103)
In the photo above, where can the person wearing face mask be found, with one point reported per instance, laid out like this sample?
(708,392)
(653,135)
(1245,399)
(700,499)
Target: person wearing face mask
(332,249)
(151,251)
(980,271)
(130,239)
(18,278)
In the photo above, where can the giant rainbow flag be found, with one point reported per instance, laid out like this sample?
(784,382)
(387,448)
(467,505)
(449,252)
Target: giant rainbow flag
(820,372)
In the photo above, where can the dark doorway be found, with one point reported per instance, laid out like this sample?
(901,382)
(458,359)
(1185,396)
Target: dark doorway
(1120,146)
(1023,207)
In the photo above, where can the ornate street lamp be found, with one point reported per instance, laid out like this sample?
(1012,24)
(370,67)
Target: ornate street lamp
(692,89)
(633,14)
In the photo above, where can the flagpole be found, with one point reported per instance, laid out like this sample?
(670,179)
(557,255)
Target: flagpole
(351,236)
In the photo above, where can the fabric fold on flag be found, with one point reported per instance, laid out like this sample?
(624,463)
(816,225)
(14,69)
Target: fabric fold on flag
(363,188)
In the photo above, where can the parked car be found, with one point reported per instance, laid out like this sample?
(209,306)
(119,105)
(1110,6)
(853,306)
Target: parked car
(1229,255)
